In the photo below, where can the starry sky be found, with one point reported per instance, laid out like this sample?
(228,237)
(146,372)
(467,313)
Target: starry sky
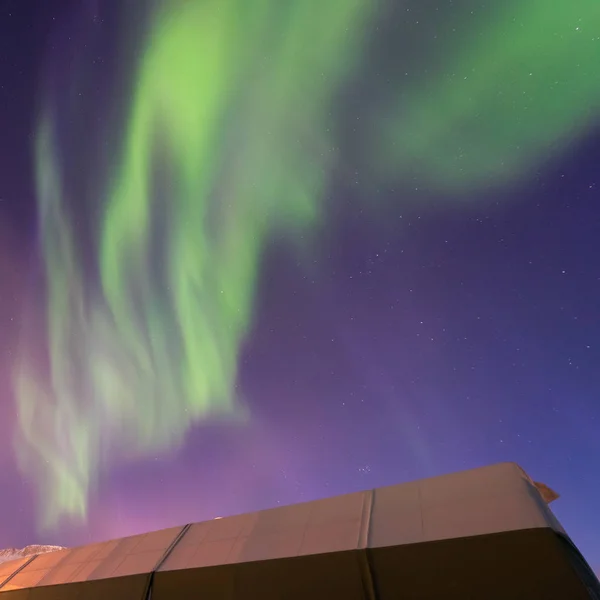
(459,329)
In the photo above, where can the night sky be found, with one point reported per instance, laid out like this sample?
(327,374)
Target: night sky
(459,330)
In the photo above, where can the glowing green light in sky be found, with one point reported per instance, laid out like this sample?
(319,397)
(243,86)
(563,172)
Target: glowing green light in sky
(225,143)
(228,140)
(518,82)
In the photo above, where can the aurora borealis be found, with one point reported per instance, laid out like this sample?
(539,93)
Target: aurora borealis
(175,146)
(214,159)
(217,155)
(515,81)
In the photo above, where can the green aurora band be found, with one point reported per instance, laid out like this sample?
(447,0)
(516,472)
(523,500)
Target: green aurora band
(228,142)
(518,82)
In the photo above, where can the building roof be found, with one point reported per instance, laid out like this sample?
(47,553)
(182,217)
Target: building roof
(469,504)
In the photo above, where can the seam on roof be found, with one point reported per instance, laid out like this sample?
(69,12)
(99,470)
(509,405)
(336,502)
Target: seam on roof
(148,590)
(364,557)
(365,520)
(27,562)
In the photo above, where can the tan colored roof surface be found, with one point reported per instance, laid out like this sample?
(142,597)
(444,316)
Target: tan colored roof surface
(128,556)
(470,503)
(9,567)
(316,527)
(476,502)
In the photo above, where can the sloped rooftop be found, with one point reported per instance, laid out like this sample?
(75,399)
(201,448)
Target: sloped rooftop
(348,543)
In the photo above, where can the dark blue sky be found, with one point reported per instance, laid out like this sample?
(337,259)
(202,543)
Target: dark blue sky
(453,339)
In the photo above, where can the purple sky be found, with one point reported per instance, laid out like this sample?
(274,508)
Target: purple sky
(469,339)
